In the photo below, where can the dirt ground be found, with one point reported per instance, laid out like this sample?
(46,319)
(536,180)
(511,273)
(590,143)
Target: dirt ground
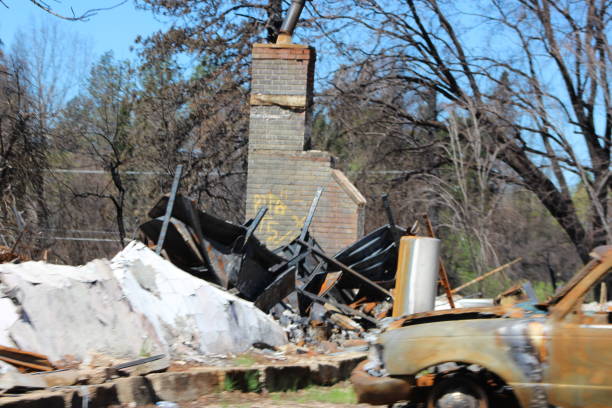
(338,396)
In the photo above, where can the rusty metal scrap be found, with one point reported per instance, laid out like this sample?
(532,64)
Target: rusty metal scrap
(25,361)
(521,292)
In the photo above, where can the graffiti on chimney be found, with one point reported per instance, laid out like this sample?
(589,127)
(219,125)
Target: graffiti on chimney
(280,206)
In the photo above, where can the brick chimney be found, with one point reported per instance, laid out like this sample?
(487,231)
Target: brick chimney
(282,175)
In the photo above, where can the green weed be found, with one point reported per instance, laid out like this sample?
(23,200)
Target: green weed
(331,395)
(244,361)
(252,381)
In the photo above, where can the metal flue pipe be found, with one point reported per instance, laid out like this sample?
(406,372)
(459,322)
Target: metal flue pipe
(290,21)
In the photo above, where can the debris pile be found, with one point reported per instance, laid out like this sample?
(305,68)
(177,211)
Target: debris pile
(220,294)
(350,289)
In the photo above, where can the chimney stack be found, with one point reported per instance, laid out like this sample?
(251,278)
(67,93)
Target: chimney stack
(281,175)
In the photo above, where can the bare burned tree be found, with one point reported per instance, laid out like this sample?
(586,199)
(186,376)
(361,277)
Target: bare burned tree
(99,124)
(210,115)
(550,58)
(22,152)
(84,16)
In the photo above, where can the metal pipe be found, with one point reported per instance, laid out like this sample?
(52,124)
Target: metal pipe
(290,21)
(417,269)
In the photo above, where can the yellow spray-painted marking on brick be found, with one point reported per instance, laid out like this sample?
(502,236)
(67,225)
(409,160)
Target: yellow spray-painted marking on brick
(278,206)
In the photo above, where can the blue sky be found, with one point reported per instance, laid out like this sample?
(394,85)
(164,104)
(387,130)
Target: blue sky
(113,29)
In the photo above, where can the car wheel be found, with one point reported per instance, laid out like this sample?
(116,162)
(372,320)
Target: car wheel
(459,391)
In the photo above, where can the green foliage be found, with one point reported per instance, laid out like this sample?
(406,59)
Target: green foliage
(229,384)
(252,381)
(543,290)
(458,248)
(244,361)
(244,381)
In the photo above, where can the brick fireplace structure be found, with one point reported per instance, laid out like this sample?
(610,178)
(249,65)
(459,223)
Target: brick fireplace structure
(282,175)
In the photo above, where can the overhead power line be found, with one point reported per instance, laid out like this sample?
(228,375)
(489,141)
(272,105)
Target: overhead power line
(100,171)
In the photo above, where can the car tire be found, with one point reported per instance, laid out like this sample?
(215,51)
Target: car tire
(458,391)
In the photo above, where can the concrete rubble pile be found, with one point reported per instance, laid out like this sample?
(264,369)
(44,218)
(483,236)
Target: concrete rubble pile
(135,304)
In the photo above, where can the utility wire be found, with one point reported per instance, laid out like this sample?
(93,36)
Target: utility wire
(98,171)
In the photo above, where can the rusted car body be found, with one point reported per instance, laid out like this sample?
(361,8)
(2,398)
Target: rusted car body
(526,355)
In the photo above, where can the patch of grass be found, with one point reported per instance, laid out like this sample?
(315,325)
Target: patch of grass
(331,395)
(244,361)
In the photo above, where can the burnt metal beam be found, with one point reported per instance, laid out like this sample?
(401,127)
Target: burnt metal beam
(393,229)
(277,290)
(164,230)
(311,213)
(345,268)
(256,221)
(138,362)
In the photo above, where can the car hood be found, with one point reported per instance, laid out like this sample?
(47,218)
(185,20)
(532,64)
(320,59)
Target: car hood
(516,311)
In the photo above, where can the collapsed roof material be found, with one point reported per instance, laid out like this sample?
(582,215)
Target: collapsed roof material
(214,249)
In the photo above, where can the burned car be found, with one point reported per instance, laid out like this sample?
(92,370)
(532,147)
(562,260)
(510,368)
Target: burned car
(524,355)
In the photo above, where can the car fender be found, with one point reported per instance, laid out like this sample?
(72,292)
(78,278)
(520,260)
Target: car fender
(509,348)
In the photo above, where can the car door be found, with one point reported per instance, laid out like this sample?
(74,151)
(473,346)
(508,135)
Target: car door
(579,373)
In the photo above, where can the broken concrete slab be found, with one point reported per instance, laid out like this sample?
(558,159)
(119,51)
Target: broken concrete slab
(137,302)
(205,318)
(35,400)
(61,378)
(6,367)
(69,310)
(185,386)
(12,382)
(98,375)
(324,373)
(134,390)
(283,378)
(155,366)
(347,363)
(8,316)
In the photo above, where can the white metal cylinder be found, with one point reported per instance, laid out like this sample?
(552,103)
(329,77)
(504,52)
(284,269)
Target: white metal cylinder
(417,275)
